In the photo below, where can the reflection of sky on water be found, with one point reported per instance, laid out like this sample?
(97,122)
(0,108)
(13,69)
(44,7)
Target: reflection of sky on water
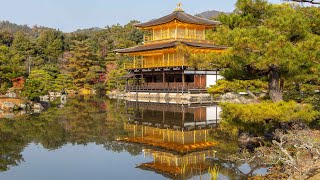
(245,168)
(77,162)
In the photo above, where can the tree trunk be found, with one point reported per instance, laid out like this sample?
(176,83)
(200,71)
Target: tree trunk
(281,84)
(274,85)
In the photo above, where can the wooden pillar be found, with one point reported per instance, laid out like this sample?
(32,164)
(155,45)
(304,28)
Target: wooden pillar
(183,79)
(163,117)
(163,76)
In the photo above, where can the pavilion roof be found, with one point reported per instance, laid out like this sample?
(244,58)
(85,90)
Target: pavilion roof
(179,15)
(170,44)
(154,142)
(173,172)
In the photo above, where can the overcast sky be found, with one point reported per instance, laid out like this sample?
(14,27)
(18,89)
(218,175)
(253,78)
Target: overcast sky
(69,15)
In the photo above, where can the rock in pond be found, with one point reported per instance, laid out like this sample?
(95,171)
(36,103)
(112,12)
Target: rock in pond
(7,106)
(37,106)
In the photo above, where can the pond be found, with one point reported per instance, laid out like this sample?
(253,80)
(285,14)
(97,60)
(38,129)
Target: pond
(99,138)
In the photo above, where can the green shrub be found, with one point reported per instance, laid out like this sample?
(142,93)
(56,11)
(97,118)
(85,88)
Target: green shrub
(267,111)
(38,84)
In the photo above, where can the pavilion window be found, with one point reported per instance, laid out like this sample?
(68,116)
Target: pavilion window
(189,78)
(170,78)
(186,33)
(181,32)
(178,78)
(157,35)
(172,33)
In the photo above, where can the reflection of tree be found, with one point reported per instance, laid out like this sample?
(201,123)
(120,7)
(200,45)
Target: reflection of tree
(11,145)
(134,150)
(84,120)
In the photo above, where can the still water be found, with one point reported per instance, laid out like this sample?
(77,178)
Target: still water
(97,138)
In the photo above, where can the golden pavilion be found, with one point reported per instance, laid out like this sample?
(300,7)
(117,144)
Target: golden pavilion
(159,65)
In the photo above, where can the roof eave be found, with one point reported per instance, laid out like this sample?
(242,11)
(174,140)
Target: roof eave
(141,25)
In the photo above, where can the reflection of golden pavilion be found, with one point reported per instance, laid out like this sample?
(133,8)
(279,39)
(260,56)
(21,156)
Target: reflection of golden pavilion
(173,116)
(177,128)
(176,137)
(177,166)
(173,140)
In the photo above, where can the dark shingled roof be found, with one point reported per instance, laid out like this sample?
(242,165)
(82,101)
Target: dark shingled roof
(168,45)
(181,16)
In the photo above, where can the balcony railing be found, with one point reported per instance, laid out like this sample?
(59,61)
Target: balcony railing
(196,38)
(164,87)
(155,64)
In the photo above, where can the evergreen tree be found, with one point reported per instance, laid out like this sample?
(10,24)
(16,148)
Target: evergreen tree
(269,42)
(50,45)
(38,84)
(80,61)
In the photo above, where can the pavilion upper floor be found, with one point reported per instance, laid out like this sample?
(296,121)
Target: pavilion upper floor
(165,55)
(175,30)
(177,25)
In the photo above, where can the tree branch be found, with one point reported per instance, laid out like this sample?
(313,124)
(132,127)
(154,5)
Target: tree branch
(306,1)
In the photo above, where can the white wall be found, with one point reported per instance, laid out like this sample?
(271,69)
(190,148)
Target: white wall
(213,112)
(212,79)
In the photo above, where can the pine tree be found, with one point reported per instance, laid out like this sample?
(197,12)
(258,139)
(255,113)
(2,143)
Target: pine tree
(81,60)
(270,42)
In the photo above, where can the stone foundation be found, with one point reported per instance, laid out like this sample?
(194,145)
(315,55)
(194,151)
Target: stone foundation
(174,98)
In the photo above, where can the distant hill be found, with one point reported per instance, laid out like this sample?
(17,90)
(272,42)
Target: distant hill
(12,27)
(210,14)
(88,30)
